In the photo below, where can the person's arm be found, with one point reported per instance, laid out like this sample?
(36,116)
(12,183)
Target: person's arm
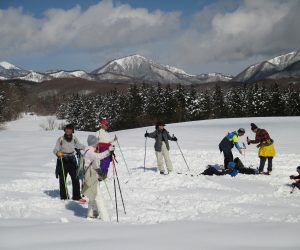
(171,138)
(100,156)
(152,135)
(79,145)
(235,142)
(57,147)
(257,139)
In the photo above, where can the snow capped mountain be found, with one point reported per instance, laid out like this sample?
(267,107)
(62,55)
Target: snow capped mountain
(138,67)
(286,65)
(141,68)
(8,70)
(35,77)
(7,65)
(214,77)
(70,74)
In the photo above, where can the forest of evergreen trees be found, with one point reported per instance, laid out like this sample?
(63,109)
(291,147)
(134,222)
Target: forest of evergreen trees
(143,105)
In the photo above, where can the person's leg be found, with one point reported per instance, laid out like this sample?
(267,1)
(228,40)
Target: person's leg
(270,165)
(62,175)
(101,206)
(160,163)
(75,180)
(262,164)
(92,209)
(166,155)
(228,157)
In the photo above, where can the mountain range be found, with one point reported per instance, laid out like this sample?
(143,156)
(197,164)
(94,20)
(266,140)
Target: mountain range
(136,68)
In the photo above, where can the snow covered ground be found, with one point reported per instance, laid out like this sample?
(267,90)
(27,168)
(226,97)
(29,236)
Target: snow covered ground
(163,212)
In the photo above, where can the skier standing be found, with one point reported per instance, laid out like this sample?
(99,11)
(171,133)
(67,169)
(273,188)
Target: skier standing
(66,162)
(93,177)
(266,147)
(162,137)
(104,143)
(228,142)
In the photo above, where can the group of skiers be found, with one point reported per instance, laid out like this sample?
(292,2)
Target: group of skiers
(262,139)
(99,153)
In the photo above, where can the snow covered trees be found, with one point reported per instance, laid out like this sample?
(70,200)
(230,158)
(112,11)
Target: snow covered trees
(142,105)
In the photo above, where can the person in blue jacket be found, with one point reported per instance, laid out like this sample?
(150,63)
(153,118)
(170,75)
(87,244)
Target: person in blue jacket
(228,142)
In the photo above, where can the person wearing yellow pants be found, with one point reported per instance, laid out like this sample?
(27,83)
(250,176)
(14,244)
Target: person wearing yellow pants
(266,148)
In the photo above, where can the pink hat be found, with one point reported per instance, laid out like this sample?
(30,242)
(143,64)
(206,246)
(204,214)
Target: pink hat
(104,122)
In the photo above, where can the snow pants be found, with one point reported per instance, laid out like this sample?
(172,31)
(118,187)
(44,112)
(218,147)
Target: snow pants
(104,163)
(97,207)
(164,154)
(69,167)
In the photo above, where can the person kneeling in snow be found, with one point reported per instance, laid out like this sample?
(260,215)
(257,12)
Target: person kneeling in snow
(92,178)
(297,178)
(162,137)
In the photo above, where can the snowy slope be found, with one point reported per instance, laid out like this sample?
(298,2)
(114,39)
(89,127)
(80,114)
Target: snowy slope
(163,212)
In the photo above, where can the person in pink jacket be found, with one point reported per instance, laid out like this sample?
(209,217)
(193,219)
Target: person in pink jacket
(93,177)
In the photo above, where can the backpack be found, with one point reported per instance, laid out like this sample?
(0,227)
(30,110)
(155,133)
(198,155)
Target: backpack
(80,172)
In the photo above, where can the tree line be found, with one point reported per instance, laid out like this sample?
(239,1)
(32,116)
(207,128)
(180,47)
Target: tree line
(143,105)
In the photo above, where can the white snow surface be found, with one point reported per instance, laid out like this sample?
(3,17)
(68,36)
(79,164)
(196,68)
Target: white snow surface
(174,211)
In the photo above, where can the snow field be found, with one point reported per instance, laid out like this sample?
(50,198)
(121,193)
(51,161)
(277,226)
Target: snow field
(177,210)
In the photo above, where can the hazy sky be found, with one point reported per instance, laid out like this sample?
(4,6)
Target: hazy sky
(194,35)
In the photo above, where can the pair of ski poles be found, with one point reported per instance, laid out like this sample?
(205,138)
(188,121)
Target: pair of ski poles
(178,148)
(115,175)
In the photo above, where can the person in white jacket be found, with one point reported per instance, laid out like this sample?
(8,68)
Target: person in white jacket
(92,179)
(104,143)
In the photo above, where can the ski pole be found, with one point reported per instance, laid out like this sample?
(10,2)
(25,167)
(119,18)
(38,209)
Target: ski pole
(63,171)
(145,152)
(114,166)
(293,189)
(116,201)
(107,190)
(122,155)
(182,155)
(244,145)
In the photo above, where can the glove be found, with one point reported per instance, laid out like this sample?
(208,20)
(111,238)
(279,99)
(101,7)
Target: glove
(292,177)
(248,141)
(60,154)
(111,149)
(146,134)
(174,138)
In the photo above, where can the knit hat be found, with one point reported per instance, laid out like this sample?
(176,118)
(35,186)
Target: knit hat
(69,126)
(104,122)
(253,126)
(92,140)
(298,169)
(241,130)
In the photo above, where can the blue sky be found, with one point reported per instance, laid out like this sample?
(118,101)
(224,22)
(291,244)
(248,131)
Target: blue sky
(197,36)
